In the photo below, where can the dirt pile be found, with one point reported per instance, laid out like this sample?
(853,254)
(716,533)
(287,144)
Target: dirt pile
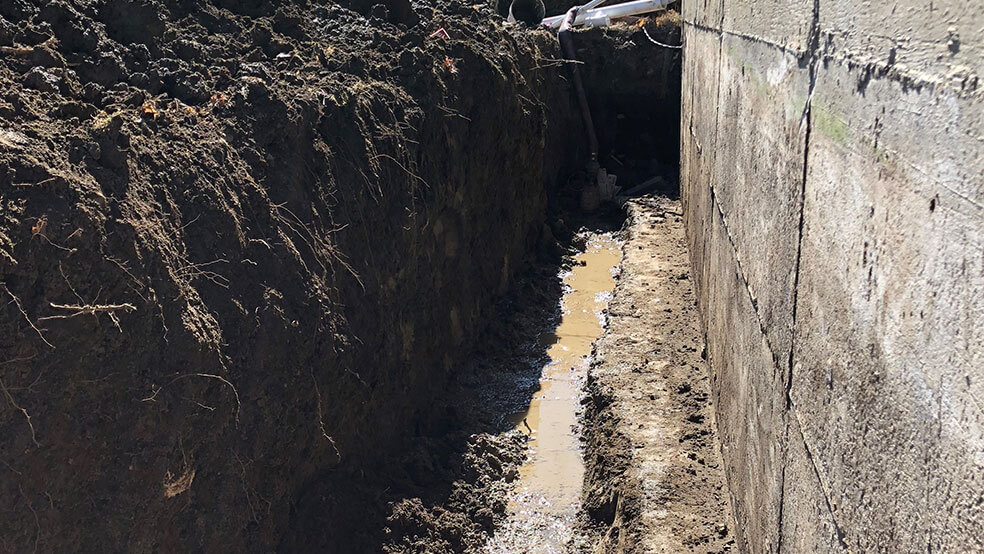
(241,247)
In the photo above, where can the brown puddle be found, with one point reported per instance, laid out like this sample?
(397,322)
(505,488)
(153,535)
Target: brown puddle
(548,492)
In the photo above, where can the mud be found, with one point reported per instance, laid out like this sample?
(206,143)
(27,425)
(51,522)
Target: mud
(654,480)
(547,494)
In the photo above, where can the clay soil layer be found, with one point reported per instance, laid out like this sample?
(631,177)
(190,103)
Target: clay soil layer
(654,480)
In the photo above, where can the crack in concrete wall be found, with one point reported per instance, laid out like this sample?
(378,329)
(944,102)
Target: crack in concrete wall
(806,121)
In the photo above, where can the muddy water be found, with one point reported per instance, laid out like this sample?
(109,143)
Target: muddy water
(548,491)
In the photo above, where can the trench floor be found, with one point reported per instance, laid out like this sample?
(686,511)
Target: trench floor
(654,481)
(547,496)
(584,422)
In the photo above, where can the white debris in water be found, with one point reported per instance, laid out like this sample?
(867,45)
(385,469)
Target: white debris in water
(535,526)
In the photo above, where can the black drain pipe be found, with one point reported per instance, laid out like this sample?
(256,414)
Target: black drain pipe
(567,46)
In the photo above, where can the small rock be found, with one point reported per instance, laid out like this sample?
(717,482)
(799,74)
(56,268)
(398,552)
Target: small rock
(187,50)
(41,80)
(140,80)
(93,93)
(379,12)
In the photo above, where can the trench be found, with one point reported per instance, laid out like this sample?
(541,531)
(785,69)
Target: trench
(518,405)
(638,129)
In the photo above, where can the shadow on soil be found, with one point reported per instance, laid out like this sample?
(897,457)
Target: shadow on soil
(453,487)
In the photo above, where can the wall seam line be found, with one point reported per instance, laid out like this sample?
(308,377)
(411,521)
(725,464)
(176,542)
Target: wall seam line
(739,529)
(807,122)
(744,279)
(749,37)
(838,531)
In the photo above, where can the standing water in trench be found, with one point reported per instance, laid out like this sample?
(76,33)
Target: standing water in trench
(547,494)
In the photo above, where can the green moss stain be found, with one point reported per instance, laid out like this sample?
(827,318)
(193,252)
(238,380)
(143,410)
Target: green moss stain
(828,123)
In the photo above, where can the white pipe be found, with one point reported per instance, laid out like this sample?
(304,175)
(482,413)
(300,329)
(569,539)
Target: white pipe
(618,10)
(591,5)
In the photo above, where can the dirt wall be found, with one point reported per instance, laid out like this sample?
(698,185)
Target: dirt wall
(633,86)
(241,247)
(833,187)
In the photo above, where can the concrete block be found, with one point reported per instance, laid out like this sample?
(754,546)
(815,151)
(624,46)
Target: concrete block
(759,173)
(749,400)
(888,376)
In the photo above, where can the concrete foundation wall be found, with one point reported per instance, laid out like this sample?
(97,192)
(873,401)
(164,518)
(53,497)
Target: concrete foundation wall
(833,183)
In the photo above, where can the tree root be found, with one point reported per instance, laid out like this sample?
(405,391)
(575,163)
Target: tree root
(239,405)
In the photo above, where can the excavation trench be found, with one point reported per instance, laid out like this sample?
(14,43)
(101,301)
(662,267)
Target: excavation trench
(520,482)
(285,276)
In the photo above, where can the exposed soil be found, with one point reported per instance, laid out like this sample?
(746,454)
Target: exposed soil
(633,86)
(242,247)
(654,480)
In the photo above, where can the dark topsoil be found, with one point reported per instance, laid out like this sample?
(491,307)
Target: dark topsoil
(243,246)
